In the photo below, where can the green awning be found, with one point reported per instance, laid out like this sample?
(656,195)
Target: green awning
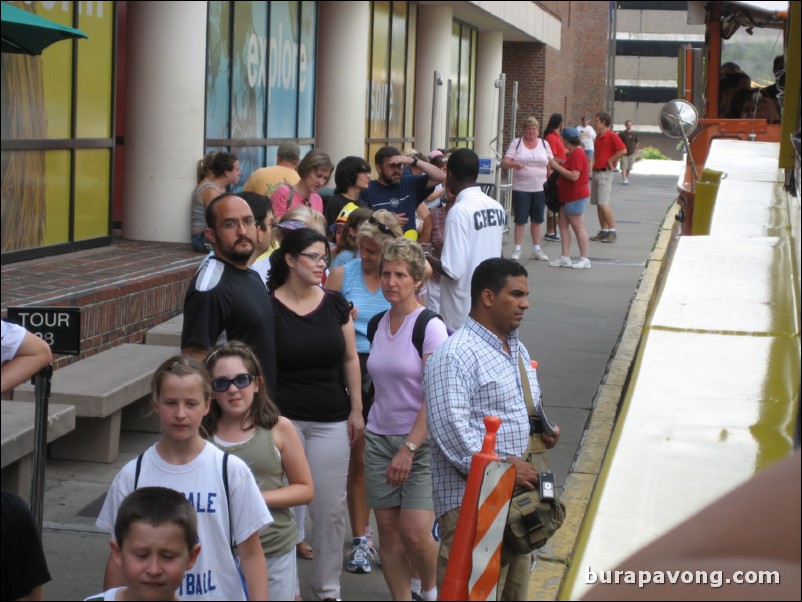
(28,33)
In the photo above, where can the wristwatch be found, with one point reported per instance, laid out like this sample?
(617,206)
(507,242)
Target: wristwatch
(414,163)
(410,446)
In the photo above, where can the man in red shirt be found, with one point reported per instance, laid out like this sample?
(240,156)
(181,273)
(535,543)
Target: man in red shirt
(608,149)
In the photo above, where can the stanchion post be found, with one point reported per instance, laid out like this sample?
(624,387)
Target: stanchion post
(458,570)
(41,385)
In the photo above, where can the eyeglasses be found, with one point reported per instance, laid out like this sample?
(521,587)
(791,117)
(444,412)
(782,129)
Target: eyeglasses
(233,224)
(316,257)
(220,385)
(382,227)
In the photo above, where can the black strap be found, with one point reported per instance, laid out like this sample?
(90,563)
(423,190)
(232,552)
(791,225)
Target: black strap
(138,468)
(418,331)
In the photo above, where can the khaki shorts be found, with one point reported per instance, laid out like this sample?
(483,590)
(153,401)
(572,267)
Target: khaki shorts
(601,186)
(415,493)
(627,162)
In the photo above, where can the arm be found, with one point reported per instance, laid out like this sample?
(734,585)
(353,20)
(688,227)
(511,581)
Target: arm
(426,232)
(207,195)
(301,489)
(436,175)
(335,280)
(572,175)
(197,352)
(254,567)
(32,355)
(611,163)
(401,464)
(448,412)
(353,380)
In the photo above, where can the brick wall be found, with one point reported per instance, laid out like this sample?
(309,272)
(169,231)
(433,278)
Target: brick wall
(571,80)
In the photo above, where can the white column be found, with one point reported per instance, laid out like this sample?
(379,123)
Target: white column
(488,69)
(342,76)
(164,121)
(433,54)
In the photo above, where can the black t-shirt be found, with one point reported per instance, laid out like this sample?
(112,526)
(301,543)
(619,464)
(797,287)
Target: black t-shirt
(24,565)
(310,358)
(229,301)
(336,203)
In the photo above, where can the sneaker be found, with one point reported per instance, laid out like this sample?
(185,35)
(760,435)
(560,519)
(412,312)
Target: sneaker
(562,262)
(369,535)
(359,556)
(583,263)
(554,237)
(540,255)
(516,254)
(611,237)
(600,236)
(626,182)
(416,597)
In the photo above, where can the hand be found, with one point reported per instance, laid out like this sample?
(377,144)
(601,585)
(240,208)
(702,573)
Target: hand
(551,440)
(354,312)
(402,219)
(526,475)
(399,468)
(356,426)
(517,165)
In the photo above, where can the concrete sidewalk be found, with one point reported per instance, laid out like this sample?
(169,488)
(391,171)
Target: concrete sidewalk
(572,328)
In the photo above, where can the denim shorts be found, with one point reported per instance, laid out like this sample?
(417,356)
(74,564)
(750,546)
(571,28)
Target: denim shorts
(576,207)
(526,205)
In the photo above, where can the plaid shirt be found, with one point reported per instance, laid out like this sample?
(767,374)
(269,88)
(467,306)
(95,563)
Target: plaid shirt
(469,377)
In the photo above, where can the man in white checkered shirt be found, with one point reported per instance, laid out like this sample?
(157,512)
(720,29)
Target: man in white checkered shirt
(475,374)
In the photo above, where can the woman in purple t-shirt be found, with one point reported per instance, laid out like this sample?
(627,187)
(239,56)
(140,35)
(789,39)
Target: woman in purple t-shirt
(397,467)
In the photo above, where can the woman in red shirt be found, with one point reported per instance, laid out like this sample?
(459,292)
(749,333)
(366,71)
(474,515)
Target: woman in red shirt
(552,136)
(573,190)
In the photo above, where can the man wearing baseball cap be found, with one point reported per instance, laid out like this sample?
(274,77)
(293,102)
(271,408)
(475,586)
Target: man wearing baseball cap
(266,180)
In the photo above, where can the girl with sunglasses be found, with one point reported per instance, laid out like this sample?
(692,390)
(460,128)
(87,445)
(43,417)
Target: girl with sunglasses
(244,422)
(182,460)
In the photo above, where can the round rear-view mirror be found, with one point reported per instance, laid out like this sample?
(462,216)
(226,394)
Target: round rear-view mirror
(678,118)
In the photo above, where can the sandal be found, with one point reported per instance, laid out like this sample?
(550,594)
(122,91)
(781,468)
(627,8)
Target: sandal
(304,550)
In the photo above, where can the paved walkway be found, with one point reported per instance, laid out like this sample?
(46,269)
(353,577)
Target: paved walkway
(573,329)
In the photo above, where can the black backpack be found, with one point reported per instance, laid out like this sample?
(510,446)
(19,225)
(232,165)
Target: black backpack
(418,331)
(550,190)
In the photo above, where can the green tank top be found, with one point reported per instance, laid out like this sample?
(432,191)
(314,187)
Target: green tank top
(260,454)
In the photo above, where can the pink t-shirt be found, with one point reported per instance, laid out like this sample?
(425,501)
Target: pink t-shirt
(532,176)
(397,373)
(280,205)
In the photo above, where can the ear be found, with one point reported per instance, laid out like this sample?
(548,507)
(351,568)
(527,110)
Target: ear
(155,403)
(193,555)
(488,297)
(116,552)
(211,234)
(207,405)
(258,383)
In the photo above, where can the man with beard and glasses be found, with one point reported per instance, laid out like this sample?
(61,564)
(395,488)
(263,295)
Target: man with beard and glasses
(396,192)
(226,300)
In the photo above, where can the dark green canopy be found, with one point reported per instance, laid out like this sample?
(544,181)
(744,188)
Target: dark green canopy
(27,33)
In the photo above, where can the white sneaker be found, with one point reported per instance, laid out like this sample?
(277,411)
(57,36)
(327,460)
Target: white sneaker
(583,263)
(540,255)
(626,182)
(562,262)
(516,254)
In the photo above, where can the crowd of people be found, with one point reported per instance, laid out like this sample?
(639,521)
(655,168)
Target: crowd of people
(313,378)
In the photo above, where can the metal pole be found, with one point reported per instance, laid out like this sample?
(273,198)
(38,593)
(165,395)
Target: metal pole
(449,100)
(41,384)
(501,84)
(438,81)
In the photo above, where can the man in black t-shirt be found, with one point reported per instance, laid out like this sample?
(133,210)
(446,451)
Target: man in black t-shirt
(226,300)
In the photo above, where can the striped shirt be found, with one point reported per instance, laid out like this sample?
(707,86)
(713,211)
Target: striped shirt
(469,377)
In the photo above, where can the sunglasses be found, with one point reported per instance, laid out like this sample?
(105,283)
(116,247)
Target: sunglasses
(382,227)
(220,385)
